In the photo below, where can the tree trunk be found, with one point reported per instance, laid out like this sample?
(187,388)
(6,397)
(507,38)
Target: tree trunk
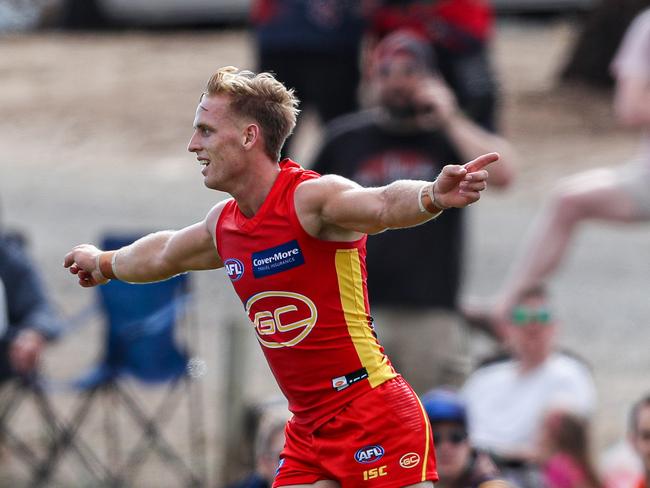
(597,44)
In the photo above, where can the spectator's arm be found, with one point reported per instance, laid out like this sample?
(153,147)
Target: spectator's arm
(471,140)
(27,304)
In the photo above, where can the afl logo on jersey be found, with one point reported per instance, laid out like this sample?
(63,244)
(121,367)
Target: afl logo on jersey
(369,454)
(234,268)
(281,318)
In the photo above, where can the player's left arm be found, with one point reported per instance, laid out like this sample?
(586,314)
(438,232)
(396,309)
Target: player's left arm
(332,207)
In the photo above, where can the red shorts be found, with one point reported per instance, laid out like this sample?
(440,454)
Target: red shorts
(380,439)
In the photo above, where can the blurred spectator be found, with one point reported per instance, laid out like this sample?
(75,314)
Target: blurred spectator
(565,452)
(414,274)
(3,309)
(314,48)
(508,396)
(459,32)
(615,194)
(620,466)
(31,322)
(459,465)
(640,436)
(268,444)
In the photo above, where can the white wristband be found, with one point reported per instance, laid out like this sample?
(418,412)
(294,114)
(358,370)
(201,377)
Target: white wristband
(437,209)
(113,265)
(98,268)
(420,204)
(432,196)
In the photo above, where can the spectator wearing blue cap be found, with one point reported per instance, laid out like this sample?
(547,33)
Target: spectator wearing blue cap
(459,465)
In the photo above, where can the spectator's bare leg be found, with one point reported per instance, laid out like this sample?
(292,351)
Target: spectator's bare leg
(594,194)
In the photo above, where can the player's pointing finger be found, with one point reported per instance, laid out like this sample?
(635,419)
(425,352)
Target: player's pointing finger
(481,162)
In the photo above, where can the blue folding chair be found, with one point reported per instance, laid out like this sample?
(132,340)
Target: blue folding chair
(140,344)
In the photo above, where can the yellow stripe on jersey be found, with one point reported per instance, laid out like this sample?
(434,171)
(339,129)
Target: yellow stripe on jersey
(348,271)
(427,427)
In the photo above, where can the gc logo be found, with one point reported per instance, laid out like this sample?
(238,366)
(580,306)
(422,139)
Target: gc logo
(409,460)
(281,318)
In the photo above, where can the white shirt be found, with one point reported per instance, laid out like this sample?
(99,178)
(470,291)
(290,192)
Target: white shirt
(505,407)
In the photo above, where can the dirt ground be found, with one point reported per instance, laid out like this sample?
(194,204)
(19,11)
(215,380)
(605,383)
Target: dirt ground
(93,134)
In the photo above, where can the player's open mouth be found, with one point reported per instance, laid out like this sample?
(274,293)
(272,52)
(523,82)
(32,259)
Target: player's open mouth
(204,162)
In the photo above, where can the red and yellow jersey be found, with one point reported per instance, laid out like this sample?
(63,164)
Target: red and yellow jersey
(307,300)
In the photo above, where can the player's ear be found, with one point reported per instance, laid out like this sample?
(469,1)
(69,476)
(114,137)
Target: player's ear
(250,135)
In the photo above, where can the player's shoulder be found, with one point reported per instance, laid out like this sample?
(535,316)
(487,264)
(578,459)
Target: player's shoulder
(215,212)
(324,185)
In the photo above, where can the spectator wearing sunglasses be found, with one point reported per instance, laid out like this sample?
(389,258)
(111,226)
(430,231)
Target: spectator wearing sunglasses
(459,465)
(508,397)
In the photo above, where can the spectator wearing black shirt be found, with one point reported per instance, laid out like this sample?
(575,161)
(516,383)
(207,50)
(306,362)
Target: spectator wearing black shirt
(415,275)
(312,47)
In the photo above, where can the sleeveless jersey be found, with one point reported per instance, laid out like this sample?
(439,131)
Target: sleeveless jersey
(307,300)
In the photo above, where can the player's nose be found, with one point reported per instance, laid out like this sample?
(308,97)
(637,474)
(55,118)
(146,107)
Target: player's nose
(193,145)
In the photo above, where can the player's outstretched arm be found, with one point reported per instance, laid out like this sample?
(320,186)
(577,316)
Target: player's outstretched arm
(333,202)
(154,257)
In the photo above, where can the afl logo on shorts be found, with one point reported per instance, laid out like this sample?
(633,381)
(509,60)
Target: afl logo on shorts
(281,318)
(369,454)
(234,268)
(409,460)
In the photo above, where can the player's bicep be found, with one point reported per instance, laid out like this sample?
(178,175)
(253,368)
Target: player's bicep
(193,248)
(347,205)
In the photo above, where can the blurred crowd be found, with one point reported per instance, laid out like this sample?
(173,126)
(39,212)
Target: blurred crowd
(403,88)
(415,89)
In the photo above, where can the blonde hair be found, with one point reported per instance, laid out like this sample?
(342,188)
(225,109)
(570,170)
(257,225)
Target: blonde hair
(262,98)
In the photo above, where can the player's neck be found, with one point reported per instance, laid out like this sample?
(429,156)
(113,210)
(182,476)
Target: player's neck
(255,186)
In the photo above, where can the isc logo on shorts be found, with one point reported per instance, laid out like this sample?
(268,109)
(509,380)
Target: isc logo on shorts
(369,454)
(234,268)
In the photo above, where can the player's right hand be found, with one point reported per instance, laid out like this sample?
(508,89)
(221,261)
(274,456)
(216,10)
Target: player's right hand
(83,261)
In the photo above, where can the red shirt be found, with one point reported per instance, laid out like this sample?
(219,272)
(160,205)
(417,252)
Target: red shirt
(307,300)
(448,23)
